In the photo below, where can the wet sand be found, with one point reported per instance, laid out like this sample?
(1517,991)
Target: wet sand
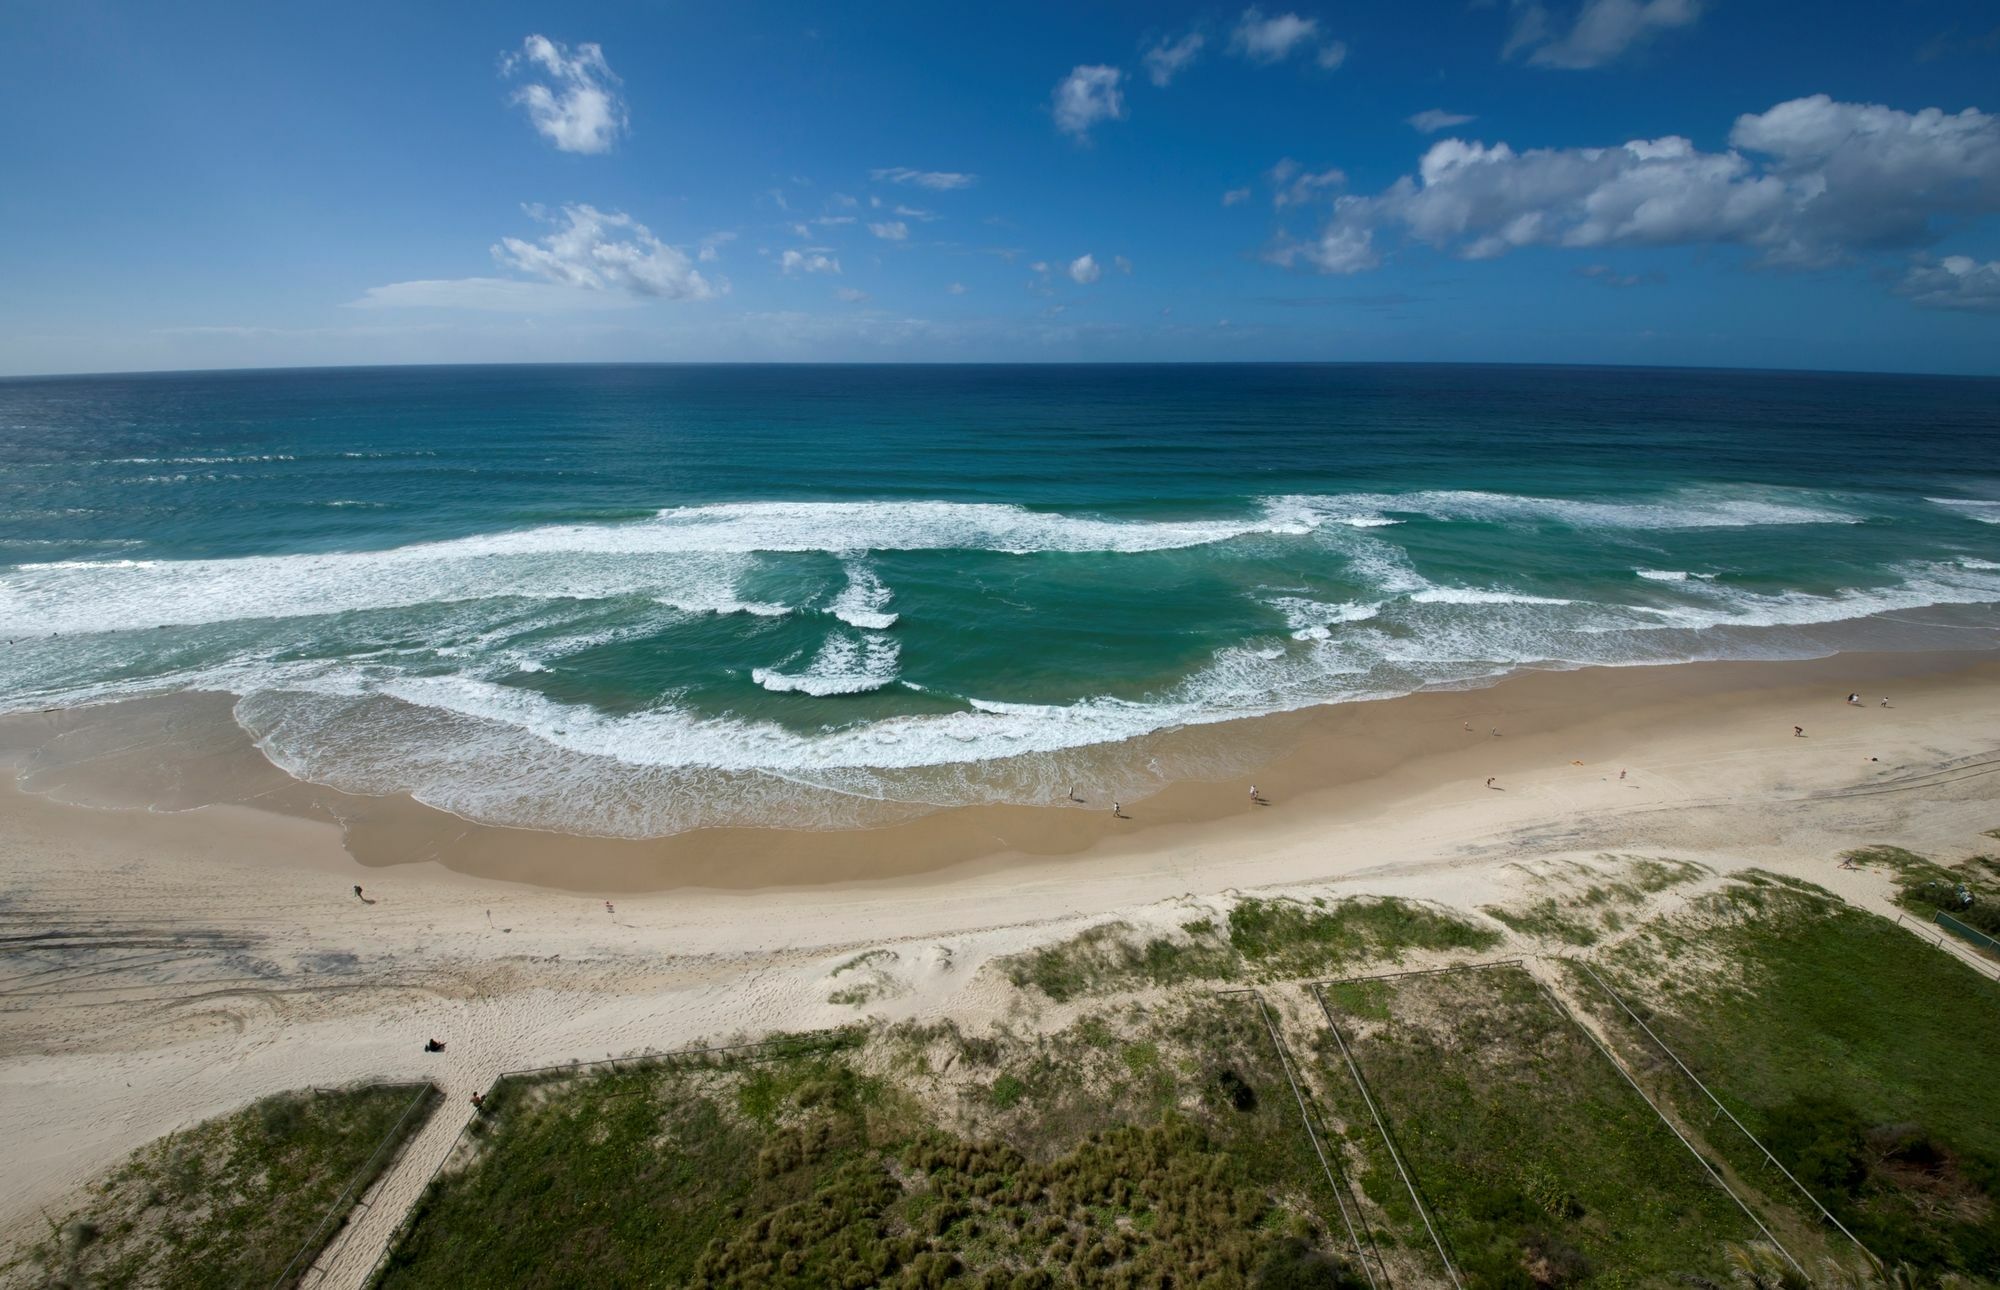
(1339,763)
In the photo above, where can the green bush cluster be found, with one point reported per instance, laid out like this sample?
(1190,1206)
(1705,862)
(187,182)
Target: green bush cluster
(1290,938)
(1107,957)
(803,1170)
(233,1200)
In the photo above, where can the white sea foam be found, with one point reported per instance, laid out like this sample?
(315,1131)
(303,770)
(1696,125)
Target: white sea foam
(1690,509)
(845,664)
(1315,620)
(1985,510)
(862,601)
(1663,575)
(1481,596)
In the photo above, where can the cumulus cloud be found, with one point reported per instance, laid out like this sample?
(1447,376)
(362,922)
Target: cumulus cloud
(577,107)
(1809,183)
(1954,282)
(1271,40)
(1602,31)
(1088,95)
(597,250)
(1085,269)
(939,180)
(1165,60)
(808,262)
(1432,120)
(891,231)
(1274,39)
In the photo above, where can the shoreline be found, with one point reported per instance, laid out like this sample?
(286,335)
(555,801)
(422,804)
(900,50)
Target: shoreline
(1334,764)
(181,964)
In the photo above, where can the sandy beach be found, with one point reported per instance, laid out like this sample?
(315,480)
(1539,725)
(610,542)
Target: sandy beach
(186,937)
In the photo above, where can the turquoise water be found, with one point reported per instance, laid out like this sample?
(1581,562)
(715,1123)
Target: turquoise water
(636,600)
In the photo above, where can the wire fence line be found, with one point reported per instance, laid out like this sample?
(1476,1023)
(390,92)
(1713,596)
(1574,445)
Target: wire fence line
(343,1204)
(1336,1176)
(1563,1011)
(1673,1128)
(1396,1156)
(1674,1057)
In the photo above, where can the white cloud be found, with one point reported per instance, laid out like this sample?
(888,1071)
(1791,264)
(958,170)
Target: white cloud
(1954,282)
(1303,187)
(500,295)
(1088,95)
(1085,269)
(957,288)
(1271,40)
(579,108)
(711,246)
(851,295)
(893,231)
(939,180)
(915,212)
(1167,59)
(1603,30)
(604,251)
(1332,54)
(1811,182)
(1432,120)
(1122,264)
(1236,196)
(808,262)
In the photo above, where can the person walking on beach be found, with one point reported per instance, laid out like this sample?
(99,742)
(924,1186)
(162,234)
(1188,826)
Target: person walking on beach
(357,892)
(608,909)
(1467,725)
(1621,774)
(1255,796)
(1798,732)
(1117,810)
(1885,700)
(1489,781)
(1853,700)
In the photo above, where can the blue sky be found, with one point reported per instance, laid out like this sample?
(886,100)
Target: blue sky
(1706,182)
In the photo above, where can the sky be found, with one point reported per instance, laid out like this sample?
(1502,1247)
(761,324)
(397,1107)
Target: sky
(1744,183)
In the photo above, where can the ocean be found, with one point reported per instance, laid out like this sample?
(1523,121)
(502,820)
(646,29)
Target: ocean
(637,600)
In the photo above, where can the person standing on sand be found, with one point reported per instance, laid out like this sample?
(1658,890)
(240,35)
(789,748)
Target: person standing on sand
(1489,781)
(1885,700)
(608,909)
(1798,732)
(357,892)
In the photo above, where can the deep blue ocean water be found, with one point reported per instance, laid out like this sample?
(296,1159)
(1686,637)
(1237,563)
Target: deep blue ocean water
(635,600)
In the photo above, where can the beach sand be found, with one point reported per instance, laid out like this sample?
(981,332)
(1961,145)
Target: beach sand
(189,940)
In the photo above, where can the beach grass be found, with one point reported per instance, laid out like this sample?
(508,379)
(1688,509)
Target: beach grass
(1539,1163)
(1120,1151)
(1861,1055)
(234,1201)
(1261,939)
